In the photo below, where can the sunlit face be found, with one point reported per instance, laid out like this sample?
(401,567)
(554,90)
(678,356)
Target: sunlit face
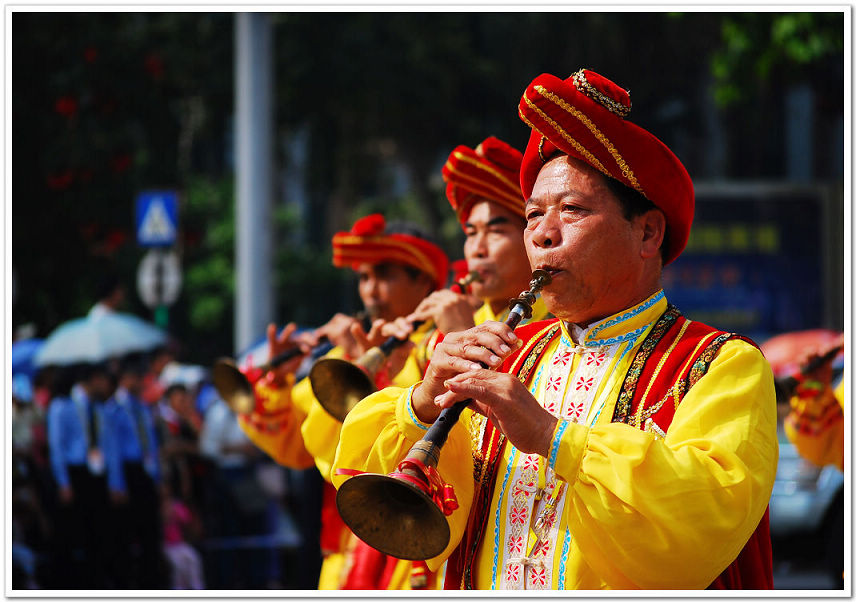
(575,229)
(494,248)
(388,291)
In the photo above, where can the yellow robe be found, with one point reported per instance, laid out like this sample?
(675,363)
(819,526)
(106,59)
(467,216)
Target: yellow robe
(296,431)
(633,510)
(815,425)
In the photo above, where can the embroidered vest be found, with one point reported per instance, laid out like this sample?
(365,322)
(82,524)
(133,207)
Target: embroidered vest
(672,358)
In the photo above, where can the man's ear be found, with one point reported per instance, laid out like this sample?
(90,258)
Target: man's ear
(653,228)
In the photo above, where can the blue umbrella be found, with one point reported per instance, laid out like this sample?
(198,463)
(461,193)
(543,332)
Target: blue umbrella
(22,387)
(23,354)
(95,338)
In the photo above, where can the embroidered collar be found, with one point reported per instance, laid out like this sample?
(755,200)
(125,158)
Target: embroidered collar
(623,326)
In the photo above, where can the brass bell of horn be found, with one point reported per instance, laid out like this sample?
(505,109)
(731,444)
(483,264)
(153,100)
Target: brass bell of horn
(339,384)
(234,388)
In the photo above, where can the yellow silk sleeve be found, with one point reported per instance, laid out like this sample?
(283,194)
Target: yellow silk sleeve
(378,433)
(815,426)
(277,431)
(673,513)
(320,431)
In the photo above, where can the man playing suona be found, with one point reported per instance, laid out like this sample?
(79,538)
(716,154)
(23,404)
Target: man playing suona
(620,445)
(397,268)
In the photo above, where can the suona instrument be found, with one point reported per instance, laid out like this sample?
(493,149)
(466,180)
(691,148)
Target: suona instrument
(400,514)
(339,385)
(236,390)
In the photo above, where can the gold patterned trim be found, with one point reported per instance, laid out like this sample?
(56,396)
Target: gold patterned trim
(541,340)
(637,419)
(350,247)
(613,106)
(500,193)
(577,146)
(622,406)
(607,144)
(682,383)
(701,365)
(475,163)
(541,149)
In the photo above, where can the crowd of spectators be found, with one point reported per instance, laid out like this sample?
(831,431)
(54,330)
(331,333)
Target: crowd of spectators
(133,474)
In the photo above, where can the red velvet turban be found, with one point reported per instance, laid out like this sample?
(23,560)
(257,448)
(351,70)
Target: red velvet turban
(584,116)
(367,243)
(491,171)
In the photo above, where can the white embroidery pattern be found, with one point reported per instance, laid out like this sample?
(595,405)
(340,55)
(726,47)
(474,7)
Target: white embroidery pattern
(568,396)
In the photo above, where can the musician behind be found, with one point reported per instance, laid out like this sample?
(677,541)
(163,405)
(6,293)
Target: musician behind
(620,445)
(397,267)
(483,187)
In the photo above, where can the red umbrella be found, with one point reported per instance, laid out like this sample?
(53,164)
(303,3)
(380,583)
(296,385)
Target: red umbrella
(787,352)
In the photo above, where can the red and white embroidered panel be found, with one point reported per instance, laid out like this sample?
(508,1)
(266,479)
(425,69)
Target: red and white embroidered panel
(569,391)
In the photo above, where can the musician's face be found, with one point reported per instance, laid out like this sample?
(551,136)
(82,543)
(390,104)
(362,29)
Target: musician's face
(576,228)
(494,247)
(389,290)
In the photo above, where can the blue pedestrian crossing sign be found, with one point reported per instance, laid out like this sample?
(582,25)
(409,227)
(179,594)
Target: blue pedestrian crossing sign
(157,218)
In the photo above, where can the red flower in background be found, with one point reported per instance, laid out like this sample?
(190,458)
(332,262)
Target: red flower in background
(120,162)
(115,239)
(153,65)
(90,54)
(61,180)
(89,230)
(66,106)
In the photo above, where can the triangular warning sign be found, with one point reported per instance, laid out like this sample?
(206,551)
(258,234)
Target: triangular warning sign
(156,225)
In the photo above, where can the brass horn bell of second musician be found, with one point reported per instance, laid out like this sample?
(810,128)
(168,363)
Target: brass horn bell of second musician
(400,514)
(339,385)
(234,388)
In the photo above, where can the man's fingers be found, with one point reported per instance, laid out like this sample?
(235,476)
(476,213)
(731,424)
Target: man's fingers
(465,356)
(448,399)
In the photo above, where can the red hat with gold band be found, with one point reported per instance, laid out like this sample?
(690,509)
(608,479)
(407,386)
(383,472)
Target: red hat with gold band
(368,242)
(490,171)
(584,116)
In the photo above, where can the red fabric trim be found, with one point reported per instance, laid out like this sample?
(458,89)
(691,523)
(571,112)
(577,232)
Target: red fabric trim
(333,528)
(367,243)
(491,171)
(370,569)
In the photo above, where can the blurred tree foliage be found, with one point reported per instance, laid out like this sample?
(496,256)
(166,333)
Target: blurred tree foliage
(105,105)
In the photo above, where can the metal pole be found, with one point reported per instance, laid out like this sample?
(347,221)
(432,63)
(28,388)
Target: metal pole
(254,125)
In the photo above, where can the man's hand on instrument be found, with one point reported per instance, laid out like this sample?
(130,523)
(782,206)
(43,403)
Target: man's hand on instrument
(338,331)
(460,352)
(450,311)
(284,341)
(508,404)
(381,330)
(400,328)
